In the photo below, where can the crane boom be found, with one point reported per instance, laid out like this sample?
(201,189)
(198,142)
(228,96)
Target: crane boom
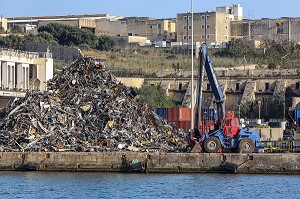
(206,64)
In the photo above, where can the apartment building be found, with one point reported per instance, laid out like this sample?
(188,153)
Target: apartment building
(210,27)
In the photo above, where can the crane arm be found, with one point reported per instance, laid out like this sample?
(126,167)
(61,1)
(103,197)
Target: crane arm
(205,64)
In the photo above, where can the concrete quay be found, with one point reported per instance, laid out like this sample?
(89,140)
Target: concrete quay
(275,163)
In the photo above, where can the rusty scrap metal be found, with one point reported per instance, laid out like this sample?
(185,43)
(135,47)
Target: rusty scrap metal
(85,109)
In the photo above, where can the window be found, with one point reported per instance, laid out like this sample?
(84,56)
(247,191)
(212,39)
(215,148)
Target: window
(207,16)
(237,86)
(202,16)
(203,37)
(234,123)
(190,17)
(279,29)
(180,86)
(207,36)
(266,86)
(207,26)
(190,37)
(190,27)
(297,85)
(208,87)
(202,26)
(226,27)
(226,18)
(184,17)
(226,37)
(184,37)
(184,27)
(150,27)
(129,34)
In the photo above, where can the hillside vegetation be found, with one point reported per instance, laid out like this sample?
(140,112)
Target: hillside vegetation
(273,54)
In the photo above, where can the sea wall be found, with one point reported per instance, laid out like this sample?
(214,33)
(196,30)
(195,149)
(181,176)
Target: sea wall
(281,163)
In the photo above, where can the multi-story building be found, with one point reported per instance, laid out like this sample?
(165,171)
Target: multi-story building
(210,27)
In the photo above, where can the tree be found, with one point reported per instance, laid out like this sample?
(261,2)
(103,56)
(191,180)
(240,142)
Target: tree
(69,35)
(17,29)
(12,41)
(105,43)
(237,48)
(154,96)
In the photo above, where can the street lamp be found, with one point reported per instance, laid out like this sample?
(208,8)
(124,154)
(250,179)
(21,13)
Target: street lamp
(192,72)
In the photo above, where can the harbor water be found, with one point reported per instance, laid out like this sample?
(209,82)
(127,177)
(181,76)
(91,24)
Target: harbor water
(119,185)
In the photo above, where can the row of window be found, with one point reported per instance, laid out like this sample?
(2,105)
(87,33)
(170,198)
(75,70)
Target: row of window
(203,37)
(202,17)
(207,27)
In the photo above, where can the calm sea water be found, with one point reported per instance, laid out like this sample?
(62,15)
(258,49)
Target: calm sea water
(115,185)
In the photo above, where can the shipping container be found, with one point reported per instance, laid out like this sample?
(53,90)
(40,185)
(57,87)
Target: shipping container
(162,112)
(185,125)
(184,114)
(173,114)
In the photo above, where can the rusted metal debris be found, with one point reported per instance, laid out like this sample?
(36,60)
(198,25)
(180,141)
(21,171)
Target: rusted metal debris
(85,109)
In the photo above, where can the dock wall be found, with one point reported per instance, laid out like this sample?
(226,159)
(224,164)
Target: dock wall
(281,163)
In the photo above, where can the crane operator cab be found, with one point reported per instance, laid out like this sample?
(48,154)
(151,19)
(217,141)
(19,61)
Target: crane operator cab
(230,126)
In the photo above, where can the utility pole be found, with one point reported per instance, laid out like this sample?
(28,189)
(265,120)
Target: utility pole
(192,72)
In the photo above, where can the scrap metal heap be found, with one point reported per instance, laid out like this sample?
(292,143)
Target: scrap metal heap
(85,109)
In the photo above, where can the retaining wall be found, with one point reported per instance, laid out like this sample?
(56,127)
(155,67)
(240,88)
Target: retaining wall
(285,163)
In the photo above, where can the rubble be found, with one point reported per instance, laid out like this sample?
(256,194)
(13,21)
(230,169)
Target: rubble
(85,109)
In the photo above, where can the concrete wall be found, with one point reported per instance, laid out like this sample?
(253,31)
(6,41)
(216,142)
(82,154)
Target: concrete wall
(58,52)
(111,28)
(131,81)
(69,22)
(152,162)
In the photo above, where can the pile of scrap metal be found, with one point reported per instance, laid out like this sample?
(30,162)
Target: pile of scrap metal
(85,109)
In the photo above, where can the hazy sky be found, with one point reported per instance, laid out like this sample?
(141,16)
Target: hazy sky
(253,9)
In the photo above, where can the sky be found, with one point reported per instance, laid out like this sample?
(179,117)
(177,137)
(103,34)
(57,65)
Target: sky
(252,9)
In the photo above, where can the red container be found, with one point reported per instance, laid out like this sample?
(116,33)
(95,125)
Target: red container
(184,114)
(173,114)
(186,125)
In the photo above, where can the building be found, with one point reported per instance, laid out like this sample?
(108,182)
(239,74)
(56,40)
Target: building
(235,12)
(284,28)
(21,71)
(3,24)
(113,26)
(153,29)
(211,27)
(86,21)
